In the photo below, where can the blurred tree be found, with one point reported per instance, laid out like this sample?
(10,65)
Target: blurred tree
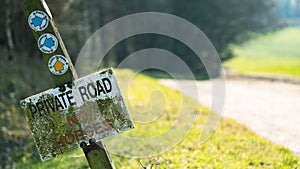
(227,21)
(223,21)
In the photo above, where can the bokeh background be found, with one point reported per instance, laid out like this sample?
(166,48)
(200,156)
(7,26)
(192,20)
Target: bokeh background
(253,38)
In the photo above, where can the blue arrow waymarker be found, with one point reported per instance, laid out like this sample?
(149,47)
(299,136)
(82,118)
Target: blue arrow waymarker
(63,74)
(49,42)
(37,21)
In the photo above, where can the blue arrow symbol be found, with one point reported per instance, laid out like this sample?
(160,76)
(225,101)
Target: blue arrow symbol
(49,42)
(37,21)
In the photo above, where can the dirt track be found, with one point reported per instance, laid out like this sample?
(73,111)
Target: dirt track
(271,109)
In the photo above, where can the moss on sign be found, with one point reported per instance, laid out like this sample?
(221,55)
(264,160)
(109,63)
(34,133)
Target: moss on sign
(61,120)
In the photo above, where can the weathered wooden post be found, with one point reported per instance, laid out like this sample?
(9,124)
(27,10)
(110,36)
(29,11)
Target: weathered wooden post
(67,117)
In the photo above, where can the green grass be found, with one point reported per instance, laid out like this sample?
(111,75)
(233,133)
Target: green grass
(276,53)
(231,146)
(73,160)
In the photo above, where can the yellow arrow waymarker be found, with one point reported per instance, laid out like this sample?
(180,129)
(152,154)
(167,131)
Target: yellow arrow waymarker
(49,41)
(60,67)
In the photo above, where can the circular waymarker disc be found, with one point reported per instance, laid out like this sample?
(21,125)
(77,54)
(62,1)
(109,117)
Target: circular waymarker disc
(58,65)
(38,20)
(47,43)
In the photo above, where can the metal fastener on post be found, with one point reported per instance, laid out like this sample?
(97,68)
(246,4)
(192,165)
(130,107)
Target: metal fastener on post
(61,68)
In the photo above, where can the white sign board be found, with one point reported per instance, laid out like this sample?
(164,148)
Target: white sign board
(61,119)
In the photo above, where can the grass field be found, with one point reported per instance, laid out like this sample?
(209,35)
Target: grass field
(275,53)
(231,146)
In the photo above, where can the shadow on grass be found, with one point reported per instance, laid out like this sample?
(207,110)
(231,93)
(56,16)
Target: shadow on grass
(157,74)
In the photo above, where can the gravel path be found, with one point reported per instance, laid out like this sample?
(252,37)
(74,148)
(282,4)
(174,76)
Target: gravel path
(271,109)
